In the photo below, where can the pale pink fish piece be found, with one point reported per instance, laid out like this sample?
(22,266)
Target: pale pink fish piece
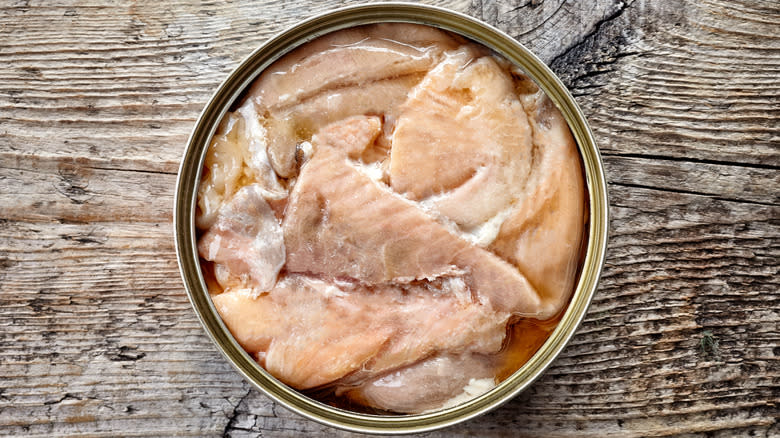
(544,233)
(352,56)
(246,242)
(309,332)
(462,140)
(292,125)
(378,64)
(340,223)
(423,386)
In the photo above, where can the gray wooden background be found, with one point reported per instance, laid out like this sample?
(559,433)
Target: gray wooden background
(97,99)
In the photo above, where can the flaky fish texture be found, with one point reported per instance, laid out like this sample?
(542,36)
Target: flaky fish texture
(383,205)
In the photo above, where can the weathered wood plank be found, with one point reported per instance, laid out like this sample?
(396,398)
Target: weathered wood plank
(673,79)
(97,337)
(82,191)
(728,182)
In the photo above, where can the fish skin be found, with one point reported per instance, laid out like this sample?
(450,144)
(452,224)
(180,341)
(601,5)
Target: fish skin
(246,243)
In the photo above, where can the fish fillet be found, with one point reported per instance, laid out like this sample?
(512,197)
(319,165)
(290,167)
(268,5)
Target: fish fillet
(371,62)
(309,332)
(387,216)
(550,220)
(463,140)
(342,224)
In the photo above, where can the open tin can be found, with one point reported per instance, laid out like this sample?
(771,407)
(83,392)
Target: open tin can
(230,92)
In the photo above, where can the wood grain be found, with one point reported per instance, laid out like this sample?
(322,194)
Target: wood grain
(97,337)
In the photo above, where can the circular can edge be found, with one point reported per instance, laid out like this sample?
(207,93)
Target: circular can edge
(230,90)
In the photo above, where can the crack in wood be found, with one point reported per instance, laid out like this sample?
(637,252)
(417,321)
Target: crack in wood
(67,396)
(714,196)
(596,30)
(126,354)
(689,159)
(127,169)
(233,416)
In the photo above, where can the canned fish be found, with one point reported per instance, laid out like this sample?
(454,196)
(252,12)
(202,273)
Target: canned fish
(468,285)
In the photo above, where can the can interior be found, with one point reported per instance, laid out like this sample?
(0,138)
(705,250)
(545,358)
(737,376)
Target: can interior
(230,92)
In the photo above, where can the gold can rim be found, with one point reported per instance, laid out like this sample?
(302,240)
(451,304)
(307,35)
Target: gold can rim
(232,88)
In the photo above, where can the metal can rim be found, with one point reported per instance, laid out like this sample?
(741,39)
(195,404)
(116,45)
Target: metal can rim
(231,89)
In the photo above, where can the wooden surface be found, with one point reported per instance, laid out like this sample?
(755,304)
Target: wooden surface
(97,337)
